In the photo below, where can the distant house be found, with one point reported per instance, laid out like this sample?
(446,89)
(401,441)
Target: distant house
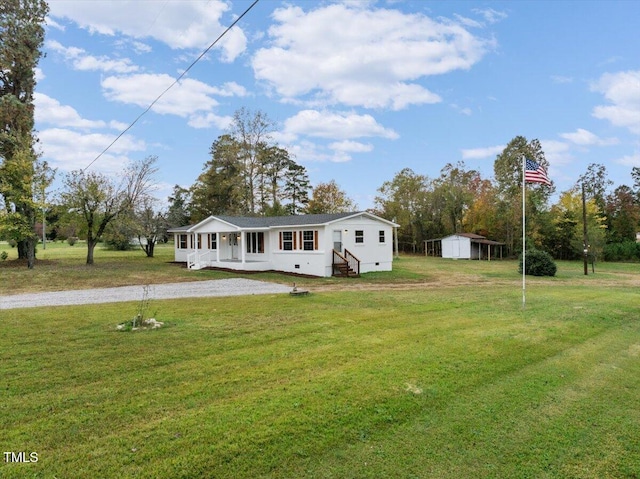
(638,237)
(342,244)
(464,246)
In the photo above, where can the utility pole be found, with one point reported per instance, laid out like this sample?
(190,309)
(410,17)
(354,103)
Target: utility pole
(585,240)
(44,219)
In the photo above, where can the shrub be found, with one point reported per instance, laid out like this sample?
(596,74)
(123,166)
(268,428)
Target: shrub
(538,263)
(625,251)
(13,243)
(72,240)
(4,255)
(118,243)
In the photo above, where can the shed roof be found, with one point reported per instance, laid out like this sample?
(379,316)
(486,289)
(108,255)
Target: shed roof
(474,238)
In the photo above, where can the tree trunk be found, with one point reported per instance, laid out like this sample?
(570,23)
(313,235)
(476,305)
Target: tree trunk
(91,244)
(31,252)
(22,249)
(149,247)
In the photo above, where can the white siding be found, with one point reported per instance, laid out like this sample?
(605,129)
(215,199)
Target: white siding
(456,247)
(373,254)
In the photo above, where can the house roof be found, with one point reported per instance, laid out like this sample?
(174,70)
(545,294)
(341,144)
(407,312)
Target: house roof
(274,221)
(266,222)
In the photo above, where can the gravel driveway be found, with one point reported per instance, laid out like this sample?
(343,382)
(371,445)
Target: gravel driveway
(196,289)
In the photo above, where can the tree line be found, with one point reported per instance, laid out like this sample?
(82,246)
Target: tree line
(459,200)
(249,174)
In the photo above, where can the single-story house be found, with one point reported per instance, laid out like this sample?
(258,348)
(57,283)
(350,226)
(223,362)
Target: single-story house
(341,244)
(464,246)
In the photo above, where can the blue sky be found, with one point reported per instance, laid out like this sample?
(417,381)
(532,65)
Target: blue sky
(358,89)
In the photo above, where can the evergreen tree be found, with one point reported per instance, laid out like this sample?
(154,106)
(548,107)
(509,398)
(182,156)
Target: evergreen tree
(179,206)
(221,189)
(21,38)
(296,189)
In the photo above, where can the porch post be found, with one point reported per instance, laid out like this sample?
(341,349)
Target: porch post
(218,245)
(242,247)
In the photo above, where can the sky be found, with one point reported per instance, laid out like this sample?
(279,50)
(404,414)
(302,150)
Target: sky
(358,90)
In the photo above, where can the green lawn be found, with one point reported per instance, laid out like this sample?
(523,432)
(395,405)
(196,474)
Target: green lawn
(399,375)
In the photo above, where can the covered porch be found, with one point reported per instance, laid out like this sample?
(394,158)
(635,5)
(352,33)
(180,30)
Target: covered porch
(240,250)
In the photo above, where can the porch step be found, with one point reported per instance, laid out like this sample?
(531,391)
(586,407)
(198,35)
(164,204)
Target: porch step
(343,270)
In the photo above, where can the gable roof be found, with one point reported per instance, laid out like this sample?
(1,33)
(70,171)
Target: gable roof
(275,221)
(267,222)
(474,238)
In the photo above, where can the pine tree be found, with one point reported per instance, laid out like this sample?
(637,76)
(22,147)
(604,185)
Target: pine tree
(21,38)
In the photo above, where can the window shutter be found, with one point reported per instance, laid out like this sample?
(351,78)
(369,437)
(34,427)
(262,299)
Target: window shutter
(301,240)
(295,237)
(281,247)
(315,240)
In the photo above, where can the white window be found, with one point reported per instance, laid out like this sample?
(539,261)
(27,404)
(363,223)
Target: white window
(182,241)
(255,242)
(359,236)
(213,241)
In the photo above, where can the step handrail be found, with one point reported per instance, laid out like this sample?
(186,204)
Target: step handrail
(353,261)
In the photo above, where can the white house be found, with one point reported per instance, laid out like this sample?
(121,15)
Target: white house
(465,246)
(318,245)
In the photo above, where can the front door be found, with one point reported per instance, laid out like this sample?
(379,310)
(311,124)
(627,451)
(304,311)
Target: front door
(233,244)
(337,240)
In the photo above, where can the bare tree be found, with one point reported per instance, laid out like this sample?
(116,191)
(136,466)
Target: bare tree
(98,200)
(252,131)
(150,224)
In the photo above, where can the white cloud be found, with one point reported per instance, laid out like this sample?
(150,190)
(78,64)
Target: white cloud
(85,62)
(351,146)
(629,160)
(557,153)
(462,110)
(482,153)
(176,23)
(584,137)
(309,152)
(330,125)
(490,15)
(70,150)
(118,125)
(622,90)
(210,119)
(362,57)
(49,111)
(187,97)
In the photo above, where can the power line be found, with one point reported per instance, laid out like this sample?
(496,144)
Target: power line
(172,85)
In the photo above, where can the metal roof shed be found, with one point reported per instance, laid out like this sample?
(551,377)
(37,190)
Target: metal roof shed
(465,246)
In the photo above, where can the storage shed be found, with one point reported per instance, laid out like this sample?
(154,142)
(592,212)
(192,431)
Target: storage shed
(464,246)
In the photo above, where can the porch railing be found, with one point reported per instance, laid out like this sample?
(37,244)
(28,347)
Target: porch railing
(345,265)
(354,263)
(197,260)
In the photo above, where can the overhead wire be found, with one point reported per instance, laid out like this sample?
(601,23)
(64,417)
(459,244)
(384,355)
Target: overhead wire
(172,84)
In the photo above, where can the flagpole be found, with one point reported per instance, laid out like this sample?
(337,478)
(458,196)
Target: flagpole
(524,247)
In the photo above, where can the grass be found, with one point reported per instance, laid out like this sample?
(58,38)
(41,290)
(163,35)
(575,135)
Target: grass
(394,375)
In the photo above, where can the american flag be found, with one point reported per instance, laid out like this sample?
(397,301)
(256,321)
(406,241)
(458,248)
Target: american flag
(535,173)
